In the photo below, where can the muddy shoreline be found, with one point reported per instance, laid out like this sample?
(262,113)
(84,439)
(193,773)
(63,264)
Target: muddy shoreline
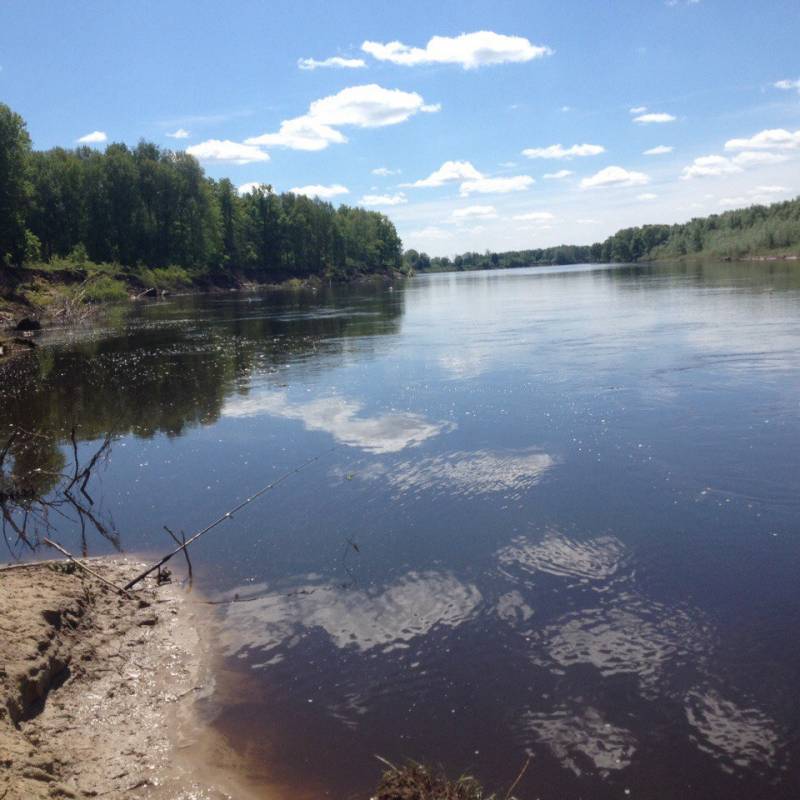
(100,694)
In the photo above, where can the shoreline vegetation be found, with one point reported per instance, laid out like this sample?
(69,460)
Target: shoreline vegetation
(80,227)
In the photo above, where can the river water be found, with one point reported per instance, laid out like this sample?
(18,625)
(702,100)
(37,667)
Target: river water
(554,515)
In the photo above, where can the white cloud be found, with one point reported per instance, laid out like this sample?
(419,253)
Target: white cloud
(449,171)
(638,109)
(751,158)
(517,183)
(647,196)
(383,199)
(614,176)
(762,195)
(647,119)
(323,192)
(385,171)
(660,150)
(787,84)
(475,212)
(586,221)
(181,133)
(560,175)
(225,151)
(470,50)
(246,188)
(366,106)
(559,151)
(335,62)
(431,108)
(95,137)
(710,166)
(431,232)
(535,216)
(774,138)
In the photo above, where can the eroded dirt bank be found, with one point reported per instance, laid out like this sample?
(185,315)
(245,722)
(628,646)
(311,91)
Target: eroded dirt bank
(98,692)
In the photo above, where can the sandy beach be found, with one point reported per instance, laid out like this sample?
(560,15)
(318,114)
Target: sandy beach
(99,692)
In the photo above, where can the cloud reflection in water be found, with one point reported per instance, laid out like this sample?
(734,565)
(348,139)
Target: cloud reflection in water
(381,433)
(361,619)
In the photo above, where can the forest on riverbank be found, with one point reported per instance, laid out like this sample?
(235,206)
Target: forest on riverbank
(152,217)
(741,234)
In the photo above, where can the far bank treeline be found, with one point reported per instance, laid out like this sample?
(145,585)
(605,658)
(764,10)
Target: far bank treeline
(149,207)
(748,232)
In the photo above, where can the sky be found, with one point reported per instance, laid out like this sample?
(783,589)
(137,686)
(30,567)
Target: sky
(472,125)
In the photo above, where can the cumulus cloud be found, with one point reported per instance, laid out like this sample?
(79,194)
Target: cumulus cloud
(754,158)
(660,150)
(614,177)
(474,212)
(246,188)
(762,195)
(469,50)
(516,183)
(334,62)
(385,171)
(383,199)
(95,137)
(560,175)
(774,138)
(648,119)
(560,152)
(638,109)
(323,192)
(535,216)
(448,172)
(431,232)
(787,84)
(366,106)
(647,196)
(181,133)
(710,167)
(224,151)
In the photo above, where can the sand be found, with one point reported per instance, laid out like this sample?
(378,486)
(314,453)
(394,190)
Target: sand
(99,693)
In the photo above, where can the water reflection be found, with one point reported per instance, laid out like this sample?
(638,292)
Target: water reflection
(467,474)
(364,619)
(737,738)
(581,739)
(593,560)
(342,419)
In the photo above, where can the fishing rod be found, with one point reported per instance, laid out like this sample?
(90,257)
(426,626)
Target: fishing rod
(228,515)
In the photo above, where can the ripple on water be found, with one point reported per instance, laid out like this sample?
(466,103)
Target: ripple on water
(361,619)
(633,636)
(594,560)
(581,739)
(737,738)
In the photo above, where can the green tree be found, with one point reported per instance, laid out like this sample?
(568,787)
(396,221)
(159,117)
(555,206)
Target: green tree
(15,189)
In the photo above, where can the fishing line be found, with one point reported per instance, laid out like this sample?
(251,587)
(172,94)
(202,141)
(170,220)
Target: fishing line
(229,514)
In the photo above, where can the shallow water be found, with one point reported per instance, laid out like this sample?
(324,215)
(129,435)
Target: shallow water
(554,514)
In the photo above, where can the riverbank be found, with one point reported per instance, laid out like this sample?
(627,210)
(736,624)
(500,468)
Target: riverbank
(66,294)
(99,693)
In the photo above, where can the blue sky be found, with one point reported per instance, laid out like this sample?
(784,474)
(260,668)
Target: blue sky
(461,128)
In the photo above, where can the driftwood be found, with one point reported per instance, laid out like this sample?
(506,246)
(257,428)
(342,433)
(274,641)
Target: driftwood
(78,563)
(226,516)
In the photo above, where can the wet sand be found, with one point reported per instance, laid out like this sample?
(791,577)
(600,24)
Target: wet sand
(99,694)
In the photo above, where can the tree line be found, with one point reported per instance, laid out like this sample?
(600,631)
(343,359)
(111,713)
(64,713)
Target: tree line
(146,206)
(753,231)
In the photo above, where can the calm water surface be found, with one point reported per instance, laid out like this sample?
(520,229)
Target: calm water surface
(560,519)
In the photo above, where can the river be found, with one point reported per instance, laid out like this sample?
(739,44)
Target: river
(553,513)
